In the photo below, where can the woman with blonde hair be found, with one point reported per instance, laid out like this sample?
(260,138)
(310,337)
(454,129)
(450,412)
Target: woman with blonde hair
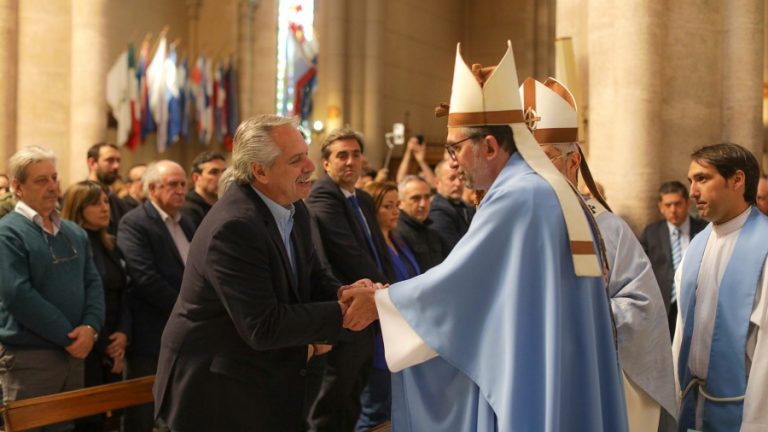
(86,203)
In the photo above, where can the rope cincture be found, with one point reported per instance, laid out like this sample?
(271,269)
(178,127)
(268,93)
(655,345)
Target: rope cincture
(702,383)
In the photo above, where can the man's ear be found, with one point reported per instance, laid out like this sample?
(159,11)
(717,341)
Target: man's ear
(739,180)
(195,177)
(15,185)
(259,173)
(574,161)
(492,147)
(91,162)
(325,164)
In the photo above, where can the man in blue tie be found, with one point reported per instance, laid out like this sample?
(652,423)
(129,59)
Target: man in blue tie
(665,241)
(350,236)
(719,349)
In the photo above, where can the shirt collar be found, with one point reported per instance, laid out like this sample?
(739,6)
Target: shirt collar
(32,214)
(281,214)
(732,225)
(347,193)
(165,216)
(685,227)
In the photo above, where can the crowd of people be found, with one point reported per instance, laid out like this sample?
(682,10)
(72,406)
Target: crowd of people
(265,298)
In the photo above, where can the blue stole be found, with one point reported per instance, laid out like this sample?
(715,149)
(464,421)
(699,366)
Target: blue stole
(726,375)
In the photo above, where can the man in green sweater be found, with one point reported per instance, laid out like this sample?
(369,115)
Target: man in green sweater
(51,297)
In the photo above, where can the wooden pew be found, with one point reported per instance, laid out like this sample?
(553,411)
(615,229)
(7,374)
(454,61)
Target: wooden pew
(51,409)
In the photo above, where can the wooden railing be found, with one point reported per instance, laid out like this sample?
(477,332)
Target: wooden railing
(47,410)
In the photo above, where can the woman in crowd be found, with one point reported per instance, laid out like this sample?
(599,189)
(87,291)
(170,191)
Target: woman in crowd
(376,399)
(86,204)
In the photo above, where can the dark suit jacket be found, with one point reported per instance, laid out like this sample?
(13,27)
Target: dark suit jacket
(451,221)
(195,208)
(425,242)
(156,269)
(342,237)
(234,351)
(117,209)
(656,243)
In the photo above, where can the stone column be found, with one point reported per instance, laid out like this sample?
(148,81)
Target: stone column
(742,80)
(372,90)
(9,22)
(44,41)
(193,13)
(245,38)
(88,82)
(625,96)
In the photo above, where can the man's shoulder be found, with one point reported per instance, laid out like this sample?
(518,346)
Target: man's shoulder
(655,226)
(697,224)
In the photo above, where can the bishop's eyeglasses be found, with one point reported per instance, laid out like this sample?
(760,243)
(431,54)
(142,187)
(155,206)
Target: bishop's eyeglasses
(451,147)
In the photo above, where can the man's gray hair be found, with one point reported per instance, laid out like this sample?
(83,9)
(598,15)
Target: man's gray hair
(405,181)
(153,174)
(566,149)
(18,163)
(253,143)
(441,167)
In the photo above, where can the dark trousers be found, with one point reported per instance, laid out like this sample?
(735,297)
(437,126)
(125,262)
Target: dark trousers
(140,418)
(672,317)
(337,406)
(376,400)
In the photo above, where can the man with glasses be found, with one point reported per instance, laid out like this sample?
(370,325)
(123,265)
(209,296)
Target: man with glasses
(154,239)
(513,330)
(51,298)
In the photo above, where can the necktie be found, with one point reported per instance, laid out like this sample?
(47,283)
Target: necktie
(366,230)
(677,254)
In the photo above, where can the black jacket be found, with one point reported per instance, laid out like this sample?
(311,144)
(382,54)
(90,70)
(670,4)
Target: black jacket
(423,240)
(195,208)
(450,220)
(656,243)
(234,352)
(156,268)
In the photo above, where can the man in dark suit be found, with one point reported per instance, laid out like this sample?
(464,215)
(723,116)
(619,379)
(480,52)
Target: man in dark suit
(135,187)
(414,225)
(665,241)
(355,248)
(255,299)
(104,168)
(450,215)
(154,239)
(206,172)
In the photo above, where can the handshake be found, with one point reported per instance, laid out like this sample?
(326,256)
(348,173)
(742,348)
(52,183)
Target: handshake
(358,305)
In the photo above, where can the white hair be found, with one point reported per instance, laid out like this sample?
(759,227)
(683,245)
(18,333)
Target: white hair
(154,173)
(18,163)
(253,143)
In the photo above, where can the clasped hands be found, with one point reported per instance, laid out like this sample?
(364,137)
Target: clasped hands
(358,305)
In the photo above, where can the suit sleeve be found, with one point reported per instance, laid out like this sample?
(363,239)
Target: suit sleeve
(134,240)
(240,270)
(349,261)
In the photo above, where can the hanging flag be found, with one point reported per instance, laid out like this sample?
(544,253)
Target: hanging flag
(232,108)
(158,102)
(196,78)
(182,77)
(173,96)
(117,96)
(209,101)
(147,122)
(134,136)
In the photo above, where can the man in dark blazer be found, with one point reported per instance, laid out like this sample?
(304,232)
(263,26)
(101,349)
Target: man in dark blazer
(103,161)
(657,240)
(355,249)
(255,300)
(414,225)
(154,239)
(450,215)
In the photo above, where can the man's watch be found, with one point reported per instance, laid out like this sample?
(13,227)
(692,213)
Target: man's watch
(95,333)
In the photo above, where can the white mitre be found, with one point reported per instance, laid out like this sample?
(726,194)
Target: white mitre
(497,102)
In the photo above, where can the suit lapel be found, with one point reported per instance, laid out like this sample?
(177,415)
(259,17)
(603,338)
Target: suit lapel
(160,226)
(274,235)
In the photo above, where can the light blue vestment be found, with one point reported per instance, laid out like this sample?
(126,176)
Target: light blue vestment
(638,311)
(522,343)
(726,374)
